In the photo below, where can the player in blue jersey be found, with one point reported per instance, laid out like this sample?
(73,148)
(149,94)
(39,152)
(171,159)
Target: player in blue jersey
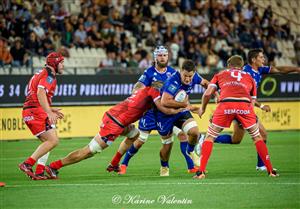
(256,69)
(156,74)
(184,80)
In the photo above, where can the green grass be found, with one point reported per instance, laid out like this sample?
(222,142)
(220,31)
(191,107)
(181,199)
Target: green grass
(232,181)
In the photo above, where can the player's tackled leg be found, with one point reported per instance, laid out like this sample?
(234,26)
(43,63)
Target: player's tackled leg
(131,135)
(96,145)
(137,144)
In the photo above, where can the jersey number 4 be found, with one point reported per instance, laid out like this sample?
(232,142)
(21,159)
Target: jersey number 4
(237,75)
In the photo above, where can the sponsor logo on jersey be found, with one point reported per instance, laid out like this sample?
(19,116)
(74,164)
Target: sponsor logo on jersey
(236,111)
(49,79)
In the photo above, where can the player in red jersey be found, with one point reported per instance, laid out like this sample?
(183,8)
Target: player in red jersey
(38,115)
(115,122)
(237,98)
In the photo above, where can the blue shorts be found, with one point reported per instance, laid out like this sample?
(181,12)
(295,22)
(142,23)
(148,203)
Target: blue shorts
(165,123)
(148,121)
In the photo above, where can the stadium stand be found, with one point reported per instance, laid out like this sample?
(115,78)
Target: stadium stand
(207,31)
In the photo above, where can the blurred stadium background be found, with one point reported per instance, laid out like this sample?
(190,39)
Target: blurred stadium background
(107,45)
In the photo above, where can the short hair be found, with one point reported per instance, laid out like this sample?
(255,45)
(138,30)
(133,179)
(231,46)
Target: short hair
(253,53)
(188,65)
(235,61)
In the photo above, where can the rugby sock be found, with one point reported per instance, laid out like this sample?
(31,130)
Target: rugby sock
(30,161)
(116,159)
(263,153)
(39,169)
(56,164)
(132,150)
(190,148)
(189,161)
(224,139)
(260,162)
(164,163)
(206,151)
(41,163)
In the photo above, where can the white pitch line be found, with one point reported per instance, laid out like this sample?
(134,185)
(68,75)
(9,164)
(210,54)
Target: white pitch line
(153,184)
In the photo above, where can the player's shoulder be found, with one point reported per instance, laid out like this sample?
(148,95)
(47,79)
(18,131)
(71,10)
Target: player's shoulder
(171,69)
(150,70)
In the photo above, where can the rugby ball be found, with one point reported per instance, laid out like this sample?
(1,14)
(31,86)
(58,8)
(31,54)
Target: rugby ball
(180,96)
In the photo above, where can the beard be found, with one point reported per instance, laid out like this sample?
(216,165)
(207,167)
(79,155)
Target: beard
(161,65)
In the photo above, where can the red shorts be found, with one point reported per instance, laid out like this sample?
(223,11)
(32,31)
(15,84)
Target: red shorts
(109,129)
(226,112)
(36,120)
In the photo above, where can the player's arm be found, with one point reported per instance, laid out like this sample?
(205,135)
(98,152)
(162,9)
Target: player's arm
(167,110)
(285,69)
(138,85)
(205,98)
(204,83)
(168,100)
(42,97)
(263,107)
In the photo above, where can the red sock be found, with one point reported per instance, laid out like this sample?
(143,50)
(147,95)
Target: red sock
(262,150)
(30,161)
(116,159)
(56,164)
(39,169)
(206,151)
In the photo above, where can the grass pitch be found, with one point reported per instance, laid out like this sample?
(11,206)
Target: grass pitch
(232,181)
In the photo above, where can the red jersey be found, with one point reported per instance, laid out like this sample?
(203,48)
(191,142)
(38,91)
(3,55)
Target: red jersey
(133,108)
(43,79)
(234,83)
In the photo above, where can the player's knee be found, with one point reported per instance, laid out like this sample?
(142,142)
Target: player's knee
(264,135)
(143,137)
(94,146)
(182,136)
(191,129)
(133,133)
(168,140)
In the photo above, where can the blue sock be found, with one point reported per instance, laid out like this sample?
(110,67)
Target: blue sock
(189,161)
(260,163)
(190,148)
(164,163)
(224,139)
(132,150)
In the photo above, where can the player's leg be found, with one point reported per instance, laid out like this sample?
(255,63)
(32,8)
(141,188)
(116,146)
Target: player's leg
(235,138)
(183,139)
(106,136)
(49,140)
(219,121)
(207,146)
(165,151)
(40,167)
(96,145)
(132,135)
(260,166)
(190,127)
(261,148)
(146,124)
